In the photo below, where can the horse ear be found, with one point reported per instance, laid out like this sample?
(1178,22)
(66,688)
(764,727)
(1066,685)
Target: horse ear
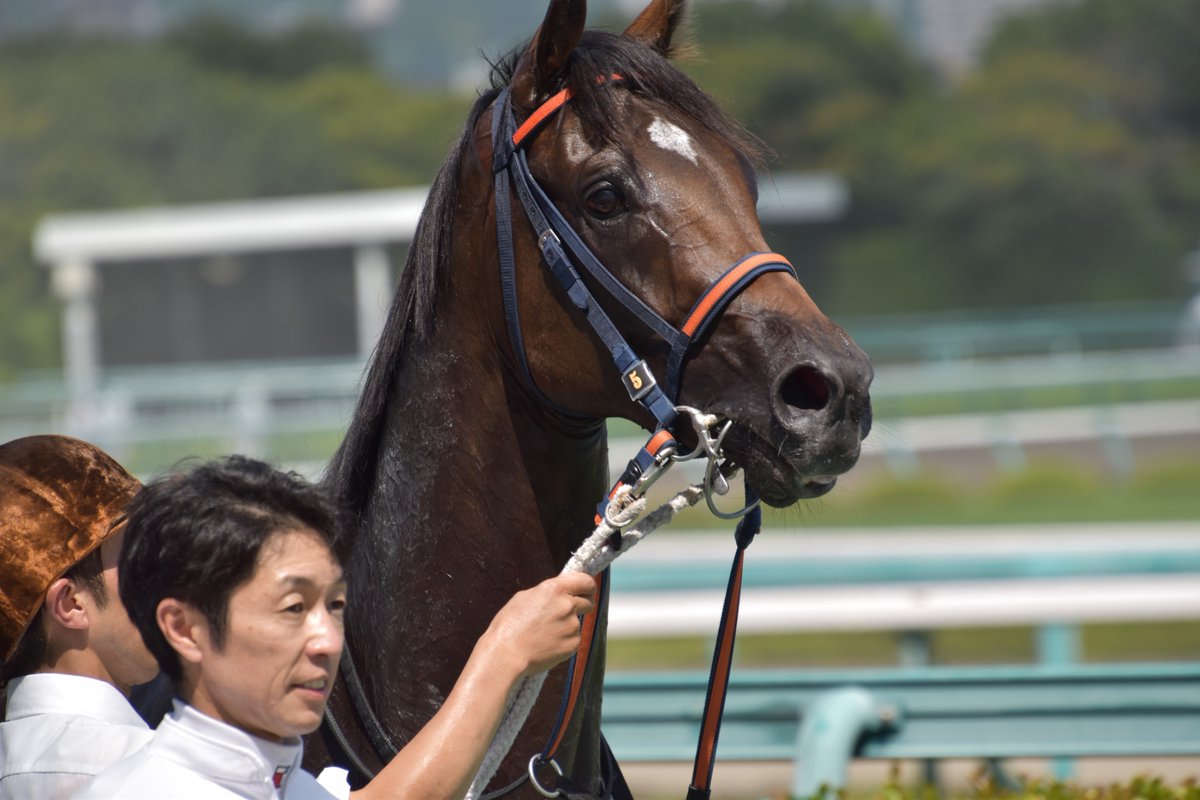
(534,78)
(657,24)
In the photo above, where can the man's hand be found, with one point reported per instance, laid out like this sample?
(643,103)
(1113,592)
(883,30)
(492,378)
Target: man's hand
(539,627)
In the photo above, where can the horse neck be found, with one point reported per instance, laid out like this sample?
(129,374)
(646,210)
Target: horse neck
(477,449)
(479,492)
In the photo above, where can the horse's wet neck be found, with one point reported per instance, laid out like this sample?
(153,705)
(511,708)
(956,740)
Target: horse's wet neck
(479,493)
(484,449)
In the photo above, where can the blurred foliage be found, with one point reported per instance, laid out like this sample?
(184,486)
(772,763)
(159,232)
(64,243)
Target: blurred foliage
(211,113)
(98,125)
(383,136)
(1065,169)
(986,784)
(1153,43)
(217,43)
(1042,491)
(802,74)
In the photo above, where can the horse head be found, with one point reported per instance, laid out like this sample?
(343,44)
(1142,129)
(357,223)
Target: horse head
(660,184)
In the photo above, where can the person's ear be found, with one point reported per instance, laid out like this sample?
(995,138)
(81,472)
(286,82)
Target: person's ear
(63,607)
(178,623)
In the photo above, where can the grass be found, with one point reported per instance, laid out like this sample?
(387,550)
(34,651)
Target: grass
(1036,397)
(1116,642)
(1043,492)
(148,459)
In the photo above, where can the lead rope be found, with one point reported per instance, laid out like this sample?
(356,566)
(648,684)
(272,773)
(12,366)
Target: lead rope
(592,557)
(718,677)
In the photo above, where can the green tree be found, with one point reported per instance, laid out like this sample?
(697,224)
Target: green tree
(802,74)
(96,125)
(383,135)
(219,44)
(1153,41)
(1017,189)
(1064,169)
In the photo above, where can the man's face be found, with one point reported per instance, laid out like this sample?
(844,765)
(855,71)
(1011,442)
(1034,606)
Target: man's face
(110,631)
(273,675)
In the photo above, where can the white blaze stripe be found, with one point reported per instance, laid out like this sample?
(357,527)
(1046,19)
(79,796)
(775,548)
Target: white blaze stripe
(672,137)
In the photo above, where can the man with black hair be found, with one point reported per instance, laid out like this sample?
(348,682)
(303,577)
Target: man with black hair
(69,654)
(232,574)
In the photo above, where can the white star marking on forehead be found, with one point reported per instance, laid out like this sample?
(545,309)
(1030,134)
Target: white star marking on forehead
(671,137)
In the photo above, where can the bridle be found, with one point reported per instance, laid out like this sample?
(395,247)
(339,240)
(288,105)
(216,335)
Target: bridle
(566,255)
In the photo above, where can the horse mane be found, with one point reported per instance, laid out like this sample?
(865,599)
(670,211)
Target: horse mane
(644,71)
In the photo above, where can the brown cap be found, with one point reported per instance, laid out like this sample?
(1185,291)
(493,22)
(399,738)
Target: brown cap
(60,498)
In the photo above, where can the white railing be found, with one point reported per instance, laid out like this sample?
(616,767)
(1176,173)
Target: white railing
(296,412)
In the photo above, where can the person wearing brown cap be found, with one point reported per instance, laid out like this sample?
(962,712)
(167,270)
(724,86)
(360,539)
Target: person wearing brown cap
(69,654)
(232,572)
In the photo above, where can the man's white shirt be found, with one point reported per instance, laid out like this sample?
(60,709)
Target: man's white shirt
(193,755)
(60,731)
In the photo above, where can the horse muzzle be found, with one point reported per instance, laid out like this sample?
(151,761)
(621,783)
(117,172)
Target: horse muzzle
(818,414)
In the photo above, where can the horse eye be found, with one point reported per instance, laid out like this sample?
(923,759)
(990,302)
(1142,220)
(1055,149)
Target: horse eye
(604,201)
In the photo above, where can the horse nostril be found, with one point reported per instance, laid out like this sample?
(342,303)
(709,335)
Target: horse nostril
(805,388)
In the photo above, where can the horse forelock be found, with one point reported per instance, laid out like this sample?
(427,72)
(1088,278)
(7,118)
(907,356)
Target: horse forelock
(644,71)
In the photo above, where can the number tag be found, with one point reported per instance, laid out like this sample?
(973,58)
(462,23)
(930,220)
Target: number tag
(638,380)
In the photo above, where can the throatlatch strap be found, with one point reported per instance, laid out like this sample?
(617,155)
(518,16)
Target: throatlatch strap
(504,244)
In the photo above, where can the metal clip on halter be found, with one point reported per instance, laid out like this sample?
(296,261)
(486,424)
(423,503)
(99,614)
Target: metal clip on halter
(663,460)
(709,446)
(705,443)
(643,477)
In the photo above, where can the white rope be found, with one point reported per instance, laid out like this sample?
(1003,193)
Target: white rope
(592,557)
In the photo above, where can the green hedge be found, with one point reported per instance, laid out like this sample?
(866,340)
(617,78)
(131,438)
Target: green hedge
(985,787)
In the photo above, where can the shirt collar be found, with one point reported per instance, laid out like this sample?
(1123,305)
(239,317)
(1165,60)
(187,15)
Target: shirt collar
(74,695)
(226,755)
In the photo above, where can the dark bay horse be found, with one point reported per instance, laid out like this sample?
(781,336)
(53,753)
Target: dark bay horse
(469,480)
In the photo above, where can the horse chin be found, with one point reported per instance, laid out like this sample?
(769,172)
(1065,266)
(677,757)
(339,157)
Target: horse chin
(781,478)
(782,487)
